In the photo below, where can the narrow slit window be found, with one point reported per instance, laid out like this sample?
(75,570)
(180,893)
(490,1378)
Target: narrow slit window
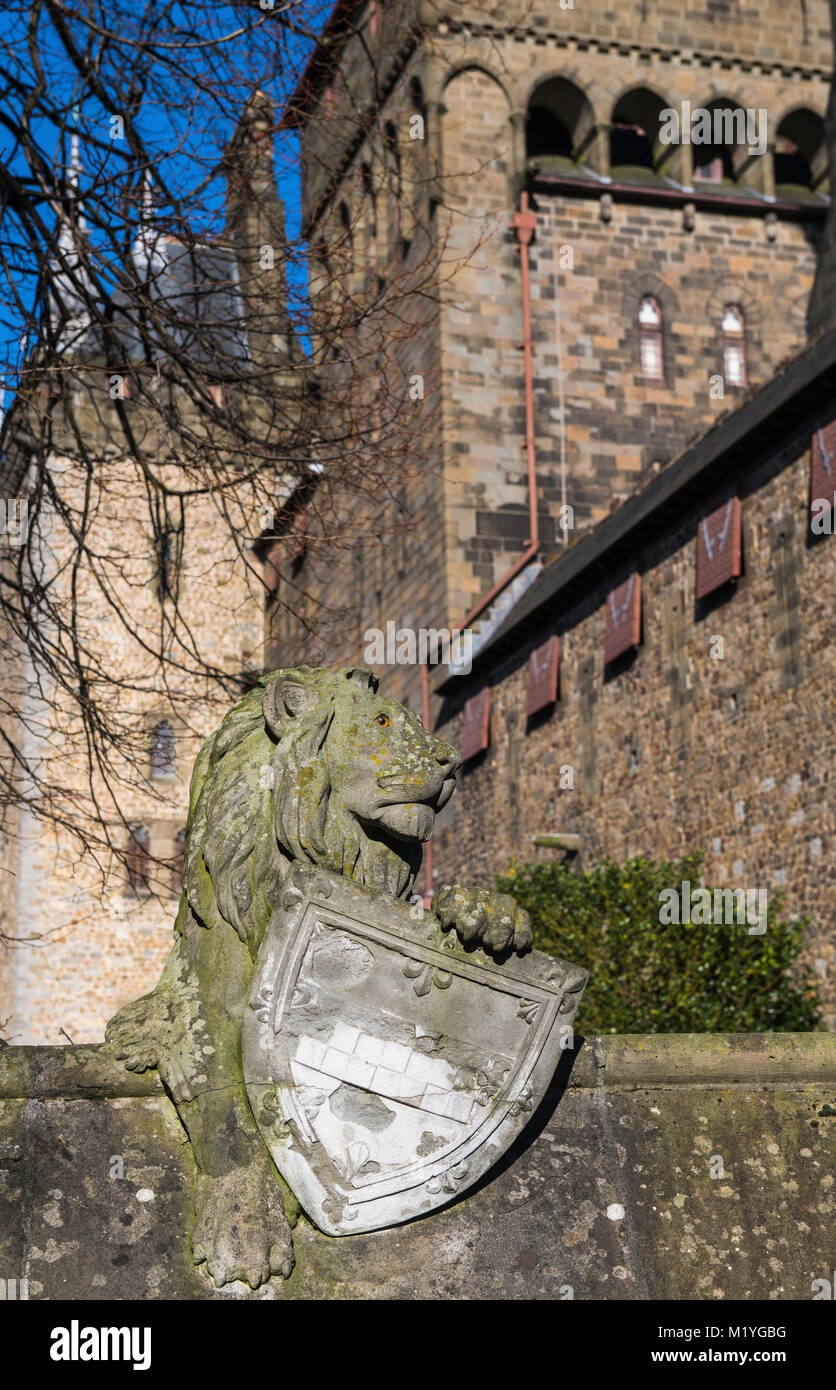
(168,562)
(734,346)
(650,332)
(162,750)
(139,861)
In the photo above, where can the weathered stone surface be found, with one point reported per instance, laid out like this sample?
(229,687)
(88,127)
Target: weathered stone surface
(636,1128)
(315,786)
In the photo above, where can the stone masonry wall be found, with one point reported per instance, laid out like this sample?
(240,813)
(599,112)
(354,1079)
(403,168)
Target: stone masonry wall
(607,1194)
(682,749)
(478,65)
(618,427)
(765,31)
(93,944)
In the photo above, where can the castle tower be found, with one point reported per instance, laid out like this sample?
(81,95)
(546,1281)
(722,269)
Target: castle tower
(673,168)
(93,929)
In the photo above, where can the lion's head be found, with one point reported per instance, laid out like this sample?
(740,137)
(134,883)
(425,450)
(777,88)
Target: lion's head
(311,765)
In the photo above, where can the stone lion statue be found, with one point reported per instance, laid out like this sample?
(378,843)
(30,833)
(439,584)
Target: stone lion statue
(311,766)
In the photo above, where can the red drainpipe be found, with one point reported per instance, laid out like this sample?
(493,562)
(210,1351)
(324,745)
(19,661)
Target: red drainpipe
(524,224)
(428,848)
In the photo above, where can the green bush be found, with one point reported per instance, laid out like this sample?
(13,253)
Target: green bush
(646,977)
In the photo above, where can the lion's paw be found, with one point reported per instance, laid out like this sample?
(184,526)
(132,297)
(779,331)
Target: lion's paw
(133,1035)
(479,915)
(240,1229)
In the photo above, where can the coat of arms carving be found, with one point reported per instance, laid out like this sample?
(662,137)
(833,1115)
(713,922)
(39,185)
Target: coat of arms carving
(396,1065)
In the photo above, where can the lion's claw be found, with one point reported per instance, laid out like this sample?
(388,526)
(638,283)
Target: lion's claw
(478,914)
(132,1034)
(241,1231)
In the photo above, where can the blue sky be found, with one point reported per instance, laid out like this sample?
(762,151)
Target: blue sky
(184,131)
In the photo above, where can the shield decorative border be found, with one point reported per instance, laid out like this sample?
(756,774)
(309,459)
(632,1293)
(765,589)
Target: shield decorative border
(387,1065)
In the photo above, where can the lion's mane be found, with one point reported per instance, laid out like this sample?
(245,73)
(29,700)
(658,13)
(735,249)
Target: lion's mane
(260,799)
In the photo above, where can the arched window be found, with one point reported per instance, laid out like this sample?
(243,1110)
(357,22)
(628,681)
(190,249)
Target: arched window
(635,128)
(415,163)
(162,750)
(138,861)
(369,220)
(718,138)
(346,236)
(345,251)
(177,863)
(298,539)
(650,335)
(801,153)
(546,134)
(559,126)
(418,108)
(734,346)
(630,145)
(713,164)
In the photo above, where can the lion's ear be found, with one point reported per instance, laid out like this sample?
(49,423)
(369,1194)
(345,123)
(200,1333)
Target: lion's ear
(285,699)
(362,676)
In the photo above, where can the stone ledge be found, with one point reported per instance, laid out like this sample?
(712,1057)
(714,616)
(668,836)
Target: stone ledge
(626,1061)
(70,1073)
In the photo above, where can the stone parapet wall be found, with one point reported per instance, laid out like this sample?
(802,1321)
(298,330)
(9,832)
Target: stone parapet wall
(607,1194)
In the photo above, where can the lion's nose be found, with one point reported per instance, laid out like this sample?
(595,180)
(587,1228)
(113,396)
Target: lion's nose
(448,759)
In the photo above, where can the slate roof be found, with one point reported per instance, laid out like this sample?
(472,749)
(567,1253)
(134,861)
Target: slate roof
(196,292)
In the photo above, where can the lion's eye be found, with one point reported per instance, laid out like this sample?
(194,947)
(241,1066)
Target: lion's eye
(383,721)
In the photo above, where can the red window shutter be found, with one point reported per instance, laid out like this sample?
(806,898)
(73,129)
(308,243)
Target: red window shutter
(823,464)
(624,606)
(476,724)
(542,676)
(718,547)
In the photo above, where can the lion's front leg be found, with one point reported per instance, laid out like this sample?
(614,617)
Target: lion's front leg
(479,915)
(241,1228)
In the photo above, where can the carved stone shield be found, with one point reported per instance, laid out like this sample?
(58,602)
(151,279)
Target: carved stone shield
(388,1066)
